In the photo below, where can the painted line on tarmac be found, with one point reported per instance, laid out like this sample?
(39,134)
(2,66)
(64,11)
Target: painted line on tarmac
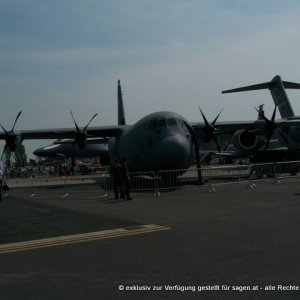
(80,238)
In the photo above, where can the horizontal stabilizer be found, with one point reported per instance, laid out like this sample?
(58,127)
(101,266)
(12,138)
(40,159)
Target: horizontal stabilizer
(277,88)
(261,86)
(291,85)
(266,85)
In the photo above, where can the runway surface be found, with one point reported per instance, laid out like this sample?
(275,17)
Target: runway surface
(237,243)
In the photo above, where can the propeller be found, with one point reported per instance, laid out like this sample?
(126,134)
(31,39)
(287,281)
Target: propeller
(197,150)
(10,137)
(210,129)
(81,135)
(271,127)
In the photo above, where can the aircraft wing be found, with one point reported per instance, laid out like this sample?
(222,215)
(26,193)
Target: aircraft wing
(64,133)
(237,125)
(116,130)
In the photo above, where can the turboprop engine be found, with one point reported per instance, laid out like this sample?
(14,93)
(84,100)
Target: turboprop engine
(12,140)
(244,140)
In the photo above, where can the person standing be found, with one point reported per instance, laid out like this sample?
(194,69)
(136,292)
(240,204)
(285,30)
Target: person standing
(126,179)
(116,174)
(1,179)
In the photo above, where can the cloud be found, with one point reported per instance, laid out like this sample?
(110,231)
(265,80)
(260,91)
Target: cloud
(169,55)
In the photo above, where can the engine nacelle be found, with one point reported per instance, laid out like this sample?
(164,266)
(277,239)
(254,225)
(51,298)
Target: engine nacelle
(294,133)
(13,141)
(244,140)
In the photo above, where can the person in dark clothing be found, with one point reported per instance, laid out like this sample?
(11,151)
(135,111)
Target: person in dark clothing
(116,174)
(1,178)
(126,180)
(1,183)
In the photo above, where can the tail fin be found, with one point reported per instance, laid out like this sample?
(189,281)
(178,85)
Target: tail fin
(277,88)
(121,113)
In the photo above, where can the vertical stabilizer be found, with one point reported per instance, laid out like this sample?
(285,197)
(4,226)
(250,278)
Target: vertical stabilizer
(280,97)
(121,113)
(277,88)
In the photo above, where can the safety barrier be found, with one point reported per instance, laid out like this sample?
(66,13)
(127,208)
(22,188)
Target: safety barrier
(34,185)
(211,177)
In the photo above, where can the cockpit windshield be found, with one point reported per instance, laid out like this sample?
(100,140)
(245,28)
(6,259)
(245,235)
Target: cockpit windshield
(162,122)
(171,122)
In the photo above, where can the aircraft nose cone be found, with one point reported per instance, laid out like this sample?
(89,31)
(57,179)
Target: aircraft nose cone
(176,153)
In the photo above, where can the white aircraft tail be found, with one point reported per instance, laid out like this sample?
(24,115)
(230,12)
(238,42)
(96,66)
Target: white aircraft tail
(277,88)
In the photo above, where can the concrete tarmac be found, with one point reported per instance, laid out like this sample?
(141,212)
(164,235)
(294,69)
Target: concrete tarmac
(237,243)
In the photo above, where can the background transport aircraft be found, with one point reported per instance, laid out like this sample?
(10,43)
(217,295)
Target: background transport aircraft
(68,148)
(289,136)
(229,152)
(159,141)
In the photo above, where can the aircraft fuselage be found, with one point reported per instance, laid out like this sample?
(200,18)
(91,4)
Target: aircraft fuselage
(159,141)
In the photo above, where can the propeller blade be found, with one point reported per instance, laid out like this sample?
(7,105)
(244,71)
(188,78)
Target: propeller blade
(94,116)
(203,116)
(16,121)
(268,142)
(81,135)
(77,128)
(4,149)
(196,147)
(11,140)
(270,126)
(217,144)
(4,129)
(257,130)
(274,114)
(215,120)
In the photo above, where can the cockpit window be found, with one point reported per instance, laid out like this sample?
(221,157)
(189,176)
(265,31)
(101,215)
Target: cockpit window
(171,122)
(154,124)
(161,123)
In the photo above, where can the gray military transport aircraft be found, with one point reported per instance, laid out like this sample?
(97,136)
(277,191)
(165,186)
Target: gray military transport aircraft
(159,141)
(288,135)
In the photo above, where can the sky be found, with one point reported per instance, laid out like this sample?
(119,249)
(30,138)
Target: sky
(173,55)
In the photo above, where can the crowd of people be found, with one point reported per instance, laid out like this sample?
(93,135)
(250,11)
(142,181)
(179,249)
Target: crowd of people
(118,171)
(57,169)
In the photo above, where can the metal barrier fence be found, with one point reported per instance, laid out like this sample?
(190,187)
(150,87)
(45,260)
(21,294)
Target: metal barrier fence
(212,176)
